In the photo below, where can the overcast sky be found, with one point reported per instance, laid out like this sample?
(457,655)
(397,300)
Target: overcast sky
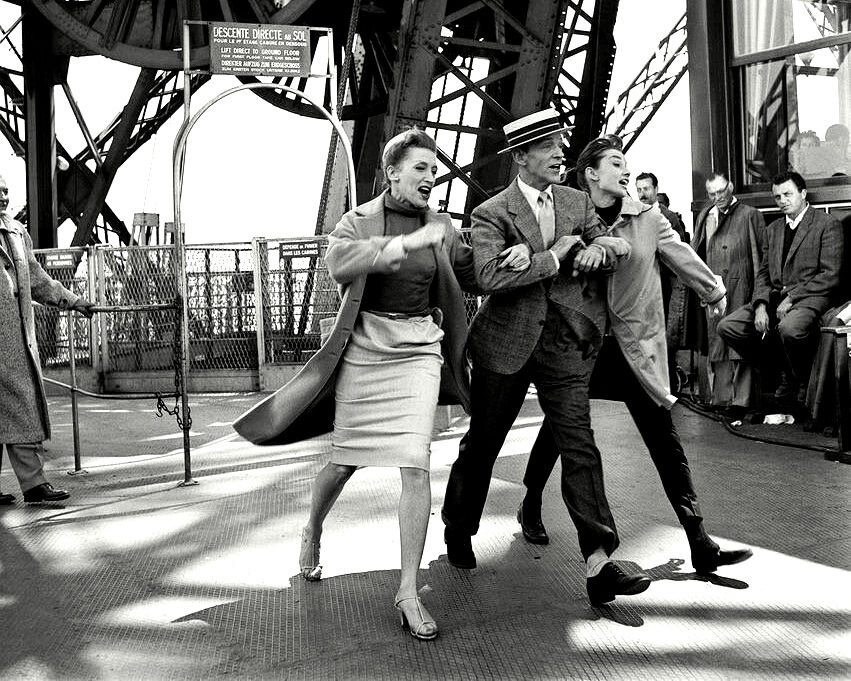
(255,170)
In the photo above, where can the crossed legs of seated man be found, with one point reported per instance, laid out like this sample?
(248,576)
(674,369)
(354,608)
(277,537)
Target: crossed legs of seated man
(26,462)
(562,385)
(660,436)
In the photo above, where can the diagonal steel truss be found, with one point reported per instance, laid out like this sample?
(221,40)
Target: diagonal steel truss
(640,101)
(487,62)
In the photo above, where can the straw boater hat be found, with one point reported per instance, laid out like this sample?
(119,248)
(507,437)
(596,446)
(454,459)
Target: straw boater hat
(532,127)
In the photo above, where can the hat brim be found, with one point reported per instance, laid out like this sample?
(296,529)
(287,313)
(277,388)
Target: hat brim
(560,131)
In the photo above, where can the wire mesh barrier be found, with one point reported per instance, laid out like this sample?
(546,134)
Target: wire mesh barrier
(70,267)
(135,287)
(220,297)
(134,339)
(297,293)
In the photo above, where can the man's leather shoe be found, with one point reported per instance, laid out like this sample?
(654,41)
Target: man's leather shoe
(706,562)
(6,499)
(44,492)
(459,549)
(533,528)
(612,581)
(786,388)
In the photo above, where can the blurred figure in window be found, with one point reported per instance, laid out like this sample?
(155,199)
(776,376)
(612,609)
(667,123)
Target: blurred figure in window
(806,157)
(836,142)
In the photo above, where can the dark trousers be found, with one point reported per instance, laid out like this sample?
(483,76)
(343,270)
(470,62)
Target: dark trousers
(655,425)
(798,332)
(560,368)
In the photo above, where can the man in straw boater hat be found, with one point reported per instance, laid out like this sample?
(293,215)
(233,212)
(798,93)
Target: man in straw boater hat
(536,245)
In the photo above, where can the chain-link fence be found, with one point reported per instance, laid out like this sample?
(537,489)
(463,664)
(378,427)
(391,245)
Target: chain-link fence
(250,305)
(295,291)
(70,267)
(135,340)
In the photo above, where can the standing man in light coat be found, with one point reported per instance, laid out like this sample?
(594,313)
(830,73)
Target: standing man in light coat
(729,237)
(24,422)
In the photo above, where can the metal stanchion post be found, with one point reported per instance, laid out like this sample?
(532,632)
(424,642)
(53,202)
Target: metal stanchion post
(75,418)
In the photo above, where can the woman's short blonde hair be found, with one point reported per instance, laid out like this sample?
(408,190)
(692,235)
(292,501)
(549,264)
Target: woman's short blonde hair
(397,147)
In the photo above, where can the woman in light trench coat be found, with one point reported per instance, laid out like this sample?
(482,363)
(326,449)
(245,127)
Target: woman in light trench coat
(632,365)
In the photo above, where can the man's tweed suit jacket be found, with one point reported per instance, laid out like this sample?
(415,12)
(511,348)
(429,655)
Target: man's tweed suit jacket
(507,326)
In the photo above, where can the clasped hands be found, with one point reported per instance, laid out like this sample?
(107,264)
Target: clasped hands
(518,257)
(427,236)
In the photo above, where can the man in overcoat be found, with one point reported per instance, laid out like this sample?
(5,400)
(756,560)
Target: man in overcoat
(728,237)
(798,281)
(542,325)
(24,422)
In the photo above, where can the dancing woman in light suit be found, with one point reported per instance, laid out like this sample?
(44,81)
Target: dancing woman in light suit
(401,268)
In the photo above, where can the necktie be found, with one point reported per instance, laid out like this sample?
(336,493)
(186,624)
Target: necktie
(546,219)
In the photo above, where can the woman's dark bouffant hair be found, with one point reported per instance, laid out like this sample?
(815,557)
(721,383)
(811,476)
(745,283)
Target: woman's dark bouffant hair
(397,147)
(590,156)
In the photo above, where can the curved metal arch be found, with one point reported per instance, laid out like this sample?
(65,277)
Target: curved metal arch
(178,155)
(184,130)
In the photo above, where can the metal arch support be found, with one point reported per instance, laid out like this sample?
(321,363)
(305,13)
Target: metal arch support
(186,128)
(177,186)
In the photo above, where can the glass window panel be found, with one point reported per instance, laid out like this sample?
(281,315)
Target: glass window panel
(765,24)
(797,115)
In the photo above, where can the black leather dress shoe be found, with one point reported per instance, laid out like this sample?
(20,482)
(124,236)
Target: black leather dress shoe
(459,549)
(612,581)
(707,562)
(44,492)
(6,499)
(533,528)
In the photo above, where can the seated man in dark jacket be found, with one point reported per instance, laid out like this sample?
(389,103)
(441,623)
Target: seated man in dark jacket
(798,281)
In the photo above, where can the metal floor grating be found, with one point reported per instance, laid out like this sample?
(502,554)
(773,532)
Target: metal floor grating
(136,578)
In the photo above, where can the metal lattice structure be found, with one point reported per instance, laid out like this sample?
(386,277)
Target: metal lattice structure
(486,61)
(640,101)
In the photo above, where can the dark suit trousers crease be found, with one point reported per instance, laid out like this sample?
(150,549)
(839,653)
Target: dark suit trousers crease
(656,428)
(798,332)
(559,368)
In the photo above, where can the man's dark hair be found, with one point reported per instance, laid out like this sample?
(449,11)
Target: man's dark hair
(591,155)
(790,175)
(649,176)
(663,199)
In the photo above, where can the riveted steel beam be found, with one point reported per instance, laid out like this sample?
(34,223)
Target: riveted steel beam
(466,68)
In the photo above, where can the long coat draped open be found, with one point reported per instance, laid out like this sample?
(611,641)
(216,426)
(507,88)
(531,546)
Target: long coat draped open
(23,405)
(304,406)
(733,253)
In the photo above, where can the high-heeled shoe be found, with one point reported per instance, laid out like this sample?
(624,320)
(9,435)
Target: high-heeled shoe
(308,559)
(425,629)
